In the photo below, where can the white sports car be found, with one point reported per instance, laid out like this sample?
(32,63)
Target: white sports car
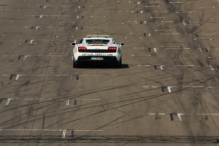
(97,48)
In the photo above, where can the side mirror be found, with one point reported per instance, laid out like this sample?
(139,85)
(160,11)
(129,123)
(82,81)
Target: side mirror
(72,44)
(122,44)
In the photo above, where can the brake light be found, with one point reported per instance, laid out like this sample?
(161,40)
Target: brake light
(112,48)
(82,48)
(97,44)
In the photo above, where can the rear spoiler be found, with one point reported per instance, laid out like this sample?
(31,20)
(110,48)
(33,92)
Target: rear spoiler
(97,36)
(97,44)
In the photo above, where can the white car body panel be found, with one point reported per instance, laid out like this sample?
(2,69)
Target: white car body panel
(93,51)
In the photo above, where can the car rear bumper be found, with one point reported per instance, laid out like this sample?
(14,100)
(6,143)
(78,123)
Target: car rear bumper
(104,59)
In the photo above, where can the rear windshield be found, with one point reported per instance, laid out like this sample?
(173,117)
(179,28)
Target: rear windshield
(97,41)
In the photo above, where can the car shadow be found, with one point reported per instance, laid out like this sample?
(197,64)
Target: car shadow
(102,66)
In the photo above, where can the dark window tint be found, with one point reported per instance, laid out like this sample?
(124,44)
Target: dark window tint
(97,41)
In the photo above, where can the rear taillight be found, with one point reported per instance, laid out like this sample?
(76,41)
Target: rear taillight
(82,48)
(112,48)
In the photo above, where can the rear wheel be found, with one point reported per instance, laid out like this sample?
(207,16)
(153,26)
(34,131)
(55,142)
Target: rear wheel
(119,64)
(75,64)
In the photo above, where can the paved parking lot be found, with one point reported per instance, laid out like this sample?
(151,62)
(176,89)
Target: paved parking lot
(166,92)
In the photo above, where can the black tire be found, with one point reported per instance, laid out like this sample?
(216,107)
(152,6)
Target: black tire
(119,64)
(75,64)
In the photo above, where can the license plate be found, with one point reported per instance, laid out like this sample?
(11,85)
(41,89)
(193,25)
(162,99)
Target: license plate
(96,58)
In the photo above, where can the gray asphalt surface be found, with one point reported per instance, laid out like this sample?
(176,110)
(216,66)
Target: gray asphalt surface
(166,92)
